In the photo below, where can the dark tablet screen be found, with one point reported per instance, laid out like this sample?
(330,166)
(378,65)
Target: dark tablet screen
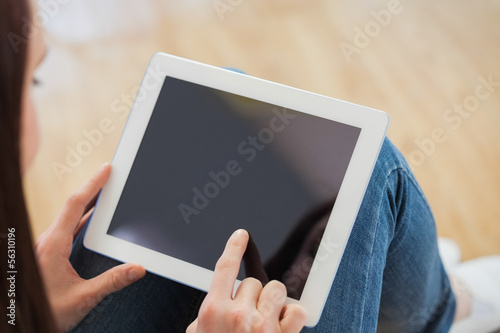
(211,162)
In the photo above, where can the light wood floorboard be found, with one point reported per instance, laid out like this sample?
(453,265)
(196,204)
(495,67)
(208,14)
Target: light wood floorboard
(429,57)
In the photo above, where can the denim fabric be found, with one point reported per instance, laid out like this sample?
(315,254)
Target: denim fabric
(390,279)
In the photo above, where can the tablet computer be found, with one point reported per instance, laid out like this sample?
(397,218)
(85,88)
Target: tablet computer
(207,151)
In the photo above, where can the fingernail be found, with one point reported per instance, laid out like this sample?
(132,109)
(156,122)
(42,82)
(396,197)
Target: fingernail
(134,274)
(239,233)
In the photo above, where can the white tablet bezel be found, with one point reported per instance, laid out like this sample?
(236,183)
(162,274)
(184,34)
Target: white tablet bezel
(373,125)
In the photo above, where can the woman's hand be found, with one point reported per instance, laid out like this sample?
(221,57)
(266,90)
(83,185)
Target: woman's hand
(253,308)
(70,296)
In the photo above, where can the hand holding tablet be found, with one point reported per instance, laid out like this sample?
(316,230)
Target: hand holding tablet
(207,151)
(252,305)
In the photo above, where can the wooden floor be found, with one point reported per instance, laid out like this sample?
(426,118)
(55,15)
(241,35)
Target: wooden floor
(419,64)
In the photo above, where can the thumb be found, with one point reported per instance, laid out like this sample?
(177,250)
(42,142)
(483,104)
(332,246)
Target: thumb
(293,318)
(192,328)
(114,279)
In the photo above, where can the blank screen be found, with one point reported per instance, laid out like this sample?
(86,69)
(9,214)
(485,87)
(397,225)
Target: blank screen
(212,162)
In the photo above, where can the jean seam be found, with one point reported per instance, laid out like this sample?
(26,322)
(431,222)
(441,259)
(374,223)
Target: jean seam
(414,182)
(370,264)
(404,171)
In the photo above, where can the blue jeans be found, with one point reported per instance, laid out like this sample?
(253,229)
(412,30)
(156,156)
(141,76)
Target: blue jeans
(390,279)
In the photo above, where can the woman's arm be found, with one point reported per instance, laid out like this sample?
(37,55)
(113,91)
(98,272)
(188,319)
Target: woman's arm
(70,296)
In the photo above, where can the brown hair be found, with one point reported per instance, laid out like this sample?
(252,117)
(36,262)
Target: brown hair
(26,290)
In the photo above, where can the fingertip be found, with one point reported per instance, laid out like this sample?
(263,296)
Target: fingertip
(106,167)
(240,239)
(277,285)
(294,317)
(302,312)
(136,272)
(192,328)
(241,233)
(103,169)
(102,175)
(298,310)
